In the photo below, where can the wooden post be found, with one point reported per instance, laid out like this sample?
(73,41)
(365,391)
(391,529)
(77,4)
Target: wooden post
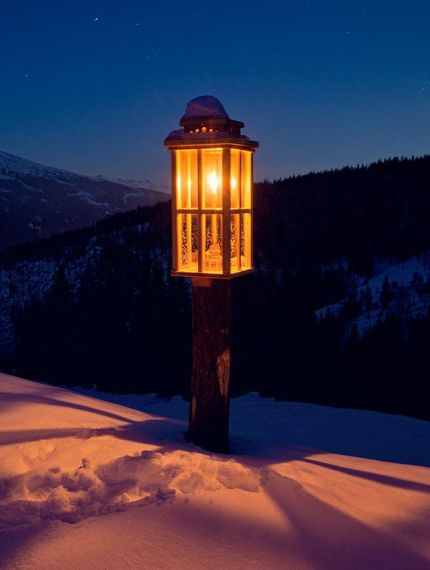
(209,407)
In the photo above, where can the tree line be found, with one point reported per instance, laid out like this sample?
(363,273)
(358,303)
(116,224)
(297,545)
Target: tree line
(112,315)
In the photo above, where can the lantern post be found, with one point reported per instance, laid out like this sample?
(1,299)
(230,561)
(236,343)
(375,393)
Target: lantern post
(212,217)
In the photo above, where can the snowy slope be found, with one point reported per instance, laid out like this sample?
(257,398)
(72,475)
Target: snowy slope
(37,201)
(410,297)
(137,184)
(90,484)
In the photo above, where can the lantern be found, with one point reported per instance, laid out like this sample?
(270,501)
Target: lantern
(211,193)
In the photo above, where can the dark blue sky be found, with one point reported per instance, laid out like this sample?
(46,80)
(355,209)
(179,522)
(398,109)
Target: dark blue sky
(94,87)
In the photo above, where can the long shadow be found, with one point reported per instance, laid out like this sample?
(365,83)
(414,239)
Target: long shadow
(10,399)
(378,478)
(152,431)
(324,537)
(328,534)
(322,534)
(170,432)
(265,428)
(13,544)
(316,535)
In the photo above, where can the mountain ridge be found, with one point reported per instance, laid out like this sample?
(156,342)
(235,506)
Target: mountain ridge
(38,201)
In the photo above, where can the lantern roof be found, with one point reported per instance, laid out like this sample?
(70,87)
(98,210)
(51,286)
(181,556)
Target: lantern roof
(205,106)
(206,122)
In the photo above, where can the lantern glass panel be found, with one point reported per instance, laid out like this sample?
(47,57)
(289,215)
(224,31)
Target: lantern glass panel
(212,243)
(246,179)
(212,178)
(235,179)
(235,243)
(186,179)
(245,242)
(187,242)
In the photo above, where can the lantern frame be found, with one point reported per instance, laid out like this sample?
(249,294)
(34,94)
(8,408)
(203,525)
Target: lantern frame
(219,222)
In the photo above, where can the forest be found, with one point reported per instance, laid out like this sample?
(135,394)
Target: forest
(97,306)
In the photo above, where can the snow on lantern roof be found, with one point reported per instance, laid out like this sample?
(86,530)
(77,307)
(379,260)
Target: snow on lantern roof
(207,112)
(206,121)
(205,106)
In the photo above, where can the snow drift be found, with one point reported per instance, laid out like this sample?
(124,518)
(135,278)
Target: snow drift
(92,484)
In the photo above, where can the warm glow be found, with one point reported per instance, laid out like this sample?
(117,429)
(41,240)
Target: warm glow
(213,223)
(212,194)
(186,179)
(246,169)
(213,182)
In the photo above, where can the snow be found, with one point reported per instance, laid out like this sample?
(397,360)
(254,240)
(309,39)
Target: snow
(23,166)
(88,483)
(205,106)
(90,199)
(360,433)
(31,279)
(145,184)
(55,195)
(400,273)
(13,167)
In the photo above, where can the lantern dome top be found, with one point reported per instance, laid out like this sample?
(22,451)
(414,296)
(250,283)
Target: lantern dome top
(206,122)
(205,106)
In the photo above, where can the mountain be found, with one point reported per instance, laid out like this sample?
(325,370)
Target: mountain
(38,201)
(131,183)
(88,483)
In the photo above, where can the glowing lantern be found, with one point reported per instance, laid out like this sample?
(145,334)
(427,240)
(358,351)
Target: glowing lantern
(211,193)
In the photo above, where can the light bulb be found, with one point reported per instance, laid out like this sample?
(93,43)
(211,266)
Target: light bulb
(233,183)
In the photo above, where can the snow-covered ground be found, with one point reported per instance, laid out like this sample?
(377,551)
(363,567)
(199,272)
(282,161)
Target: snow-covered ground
(87,483)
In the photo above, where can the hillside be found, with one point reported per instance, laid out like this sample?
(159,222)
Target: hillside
(38,201)
(395,289)
(317,322)
(92,484)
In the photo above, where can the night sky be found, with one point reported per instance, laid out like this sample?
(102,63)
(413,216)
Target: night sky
(94,87)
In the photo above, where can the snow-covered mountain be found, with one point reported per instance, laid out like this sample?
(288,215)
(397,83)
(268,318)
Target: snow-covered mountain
(131,183)
(38,201)
(90,484)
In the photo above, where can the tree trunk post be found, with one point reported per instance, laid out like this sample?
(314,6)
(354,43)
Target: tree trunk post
(211,363)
